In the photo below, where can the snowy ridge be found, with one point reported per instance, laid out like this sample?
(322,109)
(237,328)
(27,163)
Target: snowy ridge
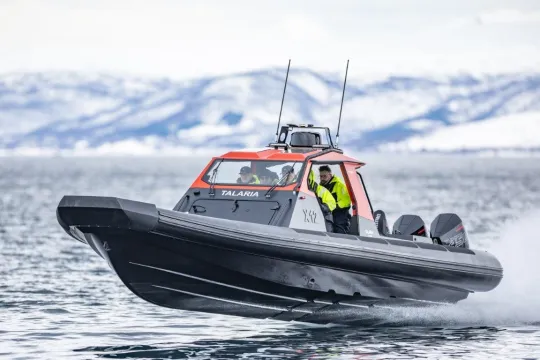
(63,112)
(510,132)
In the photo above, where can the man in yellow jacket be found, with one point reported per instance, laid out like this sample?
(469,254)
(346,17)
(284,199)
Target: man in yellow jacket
(338,189)
(247,176)
(327,201)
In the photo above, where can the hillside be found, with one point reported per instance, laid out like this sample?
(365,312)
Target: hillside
(76,111)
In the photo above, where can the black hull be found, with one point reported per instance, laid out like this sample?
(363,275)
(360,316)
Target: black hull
(168,259)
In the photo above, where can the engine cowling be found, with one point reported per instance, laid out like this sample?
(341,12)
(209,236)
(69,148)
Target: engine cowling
(409,225)
(448,229)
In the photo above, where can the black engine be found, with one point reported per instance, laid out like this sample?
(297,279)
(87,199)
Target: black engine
(409,225)
(448,229)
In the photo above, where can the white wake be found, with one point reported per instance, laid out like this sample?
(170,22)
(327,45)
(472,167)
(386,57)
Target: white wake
(516,301)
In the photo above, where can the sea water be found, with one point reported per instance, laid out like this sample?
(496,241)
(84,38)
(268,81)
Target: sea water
(59,300)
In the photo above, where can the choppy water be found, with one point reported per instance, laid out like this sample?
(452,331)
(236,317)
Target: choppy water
(59,300)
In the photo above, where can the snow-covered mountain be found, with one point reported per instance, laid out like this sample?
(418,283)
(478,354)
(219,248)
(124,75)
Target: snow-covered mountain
(455,113)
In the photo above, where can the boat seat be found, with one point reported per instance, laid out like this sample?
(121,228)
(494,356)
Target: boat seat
(381,223)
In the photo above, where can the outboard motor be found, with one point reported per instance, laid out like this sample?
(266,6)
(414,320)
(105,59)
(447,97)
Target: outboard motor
(448,229)
(380,222)
(409,225)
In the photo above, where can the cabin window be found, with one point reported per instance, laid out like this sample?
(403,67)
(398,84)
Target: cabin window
(365,190)
(253,172)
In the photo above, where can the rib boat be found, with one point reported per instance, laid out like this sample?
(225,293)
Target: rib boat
(243,241)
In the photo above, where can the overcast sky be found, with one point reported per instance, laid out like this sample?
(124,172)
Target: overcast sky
(191,38)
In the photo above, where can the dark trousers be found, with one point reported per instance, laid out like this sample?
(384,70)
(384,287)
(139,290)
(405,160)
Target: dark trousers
(342,221)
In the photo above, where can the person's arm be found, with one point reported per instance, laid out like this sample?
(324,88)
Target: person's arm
(327,198)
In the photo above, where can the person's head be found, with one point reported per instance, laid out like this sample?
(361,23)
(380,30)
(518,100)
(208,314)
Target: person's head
(245,174)
(266,177)
(288,169)
(325,174)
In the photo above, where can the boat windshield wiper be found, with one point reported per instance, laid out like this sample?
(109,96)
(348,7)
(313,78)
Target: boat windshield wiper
(280,181)
(213,179)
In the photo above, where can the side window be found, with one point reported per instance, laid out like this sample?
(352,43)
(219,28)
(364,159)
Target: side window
(365,190)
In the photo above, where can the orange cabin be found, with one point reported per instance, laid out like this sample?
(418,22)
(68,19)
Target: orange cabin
(271,186)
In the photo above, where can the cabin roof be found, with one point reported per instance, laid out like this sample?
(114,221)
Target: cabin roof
(317,155)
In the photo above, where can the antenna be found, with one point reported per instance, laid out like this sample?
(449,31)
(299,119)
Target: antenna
(283,99)
(341,107)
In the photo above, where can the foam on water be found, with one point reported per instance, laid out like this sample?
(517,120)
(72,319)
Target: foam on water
(515,302)
(517,298)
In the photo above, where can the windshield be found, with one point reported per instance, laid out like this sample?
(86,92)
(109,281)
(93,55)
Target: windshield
(253,172)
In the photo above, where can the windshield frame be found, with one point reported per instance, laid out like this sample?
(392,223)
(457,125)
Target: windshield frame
(298,172)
